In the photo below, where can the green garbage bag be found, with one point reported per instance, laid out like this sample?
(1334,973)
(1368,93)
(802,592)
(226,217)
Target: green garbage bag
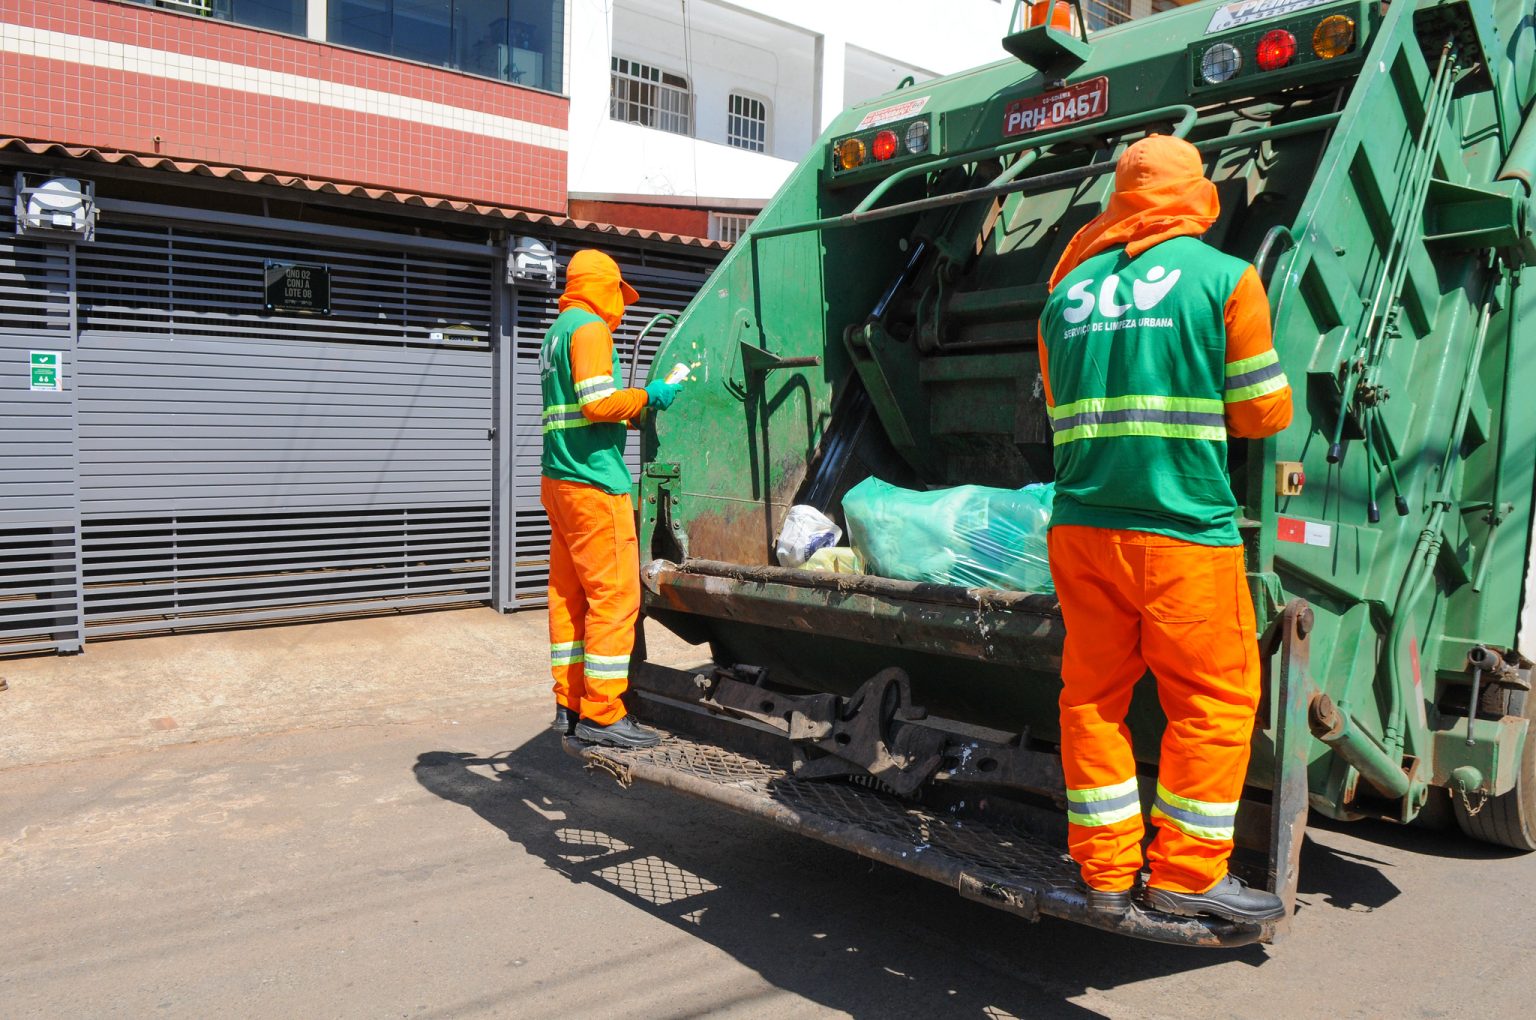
(971,535)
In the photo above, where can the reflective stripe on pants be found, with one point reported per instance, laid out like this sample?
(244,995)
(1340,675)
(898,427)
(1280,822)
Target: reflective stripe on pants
(1133,601)
(594,596)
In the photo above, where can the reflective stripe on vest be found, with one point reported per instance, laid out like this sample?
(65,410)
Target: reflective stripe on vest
(607,667)
(1257,376)
(565,653)
(564,416)
(1139,415)
(1103,805)
(1206,819)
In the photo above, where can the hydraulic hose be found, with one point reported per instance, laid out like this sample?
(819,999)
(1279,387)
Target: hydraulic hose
(1421,563)
(1496,499)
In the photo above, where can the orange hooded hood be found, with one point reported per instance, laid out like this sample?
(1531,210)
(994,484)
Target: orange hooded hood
(593,282)
(1160,192)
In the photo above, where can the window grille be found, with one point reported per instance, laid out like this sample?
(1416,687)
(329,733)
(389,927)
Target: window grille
(728,227)
(203,7)
(1107,13)
(646,95)
(746,123)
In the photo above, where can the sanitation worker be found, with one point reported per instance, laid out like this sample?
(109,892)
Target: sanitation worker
(594,559)
(1155,348)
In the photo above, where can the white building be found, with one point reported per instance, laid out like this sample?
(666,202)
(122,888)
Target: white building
(687,115)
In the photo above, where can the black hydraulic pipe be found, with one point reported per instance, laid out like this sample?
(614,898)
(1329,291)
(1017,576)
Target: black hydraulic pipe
(1399,500)
(1372,511)
(902,279)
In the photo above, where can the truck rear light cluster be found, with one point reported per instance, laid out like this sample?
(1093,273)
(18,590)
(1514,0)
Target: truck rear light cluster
(1275,49)
(882,145)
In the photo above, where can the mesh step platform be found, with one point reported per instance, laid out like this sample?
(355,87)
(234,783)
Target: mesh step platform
(988,860)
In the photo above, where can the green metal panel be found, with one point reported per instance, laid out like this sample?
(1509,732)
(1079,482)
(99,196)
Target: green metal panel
(889,328)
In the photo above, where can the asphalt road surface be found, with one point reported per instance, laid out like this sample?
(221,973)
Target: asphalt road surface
(469,868)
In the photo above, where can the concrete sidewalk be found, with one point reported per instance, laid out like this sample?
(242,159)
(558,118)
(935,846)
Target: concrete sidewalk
(139,693)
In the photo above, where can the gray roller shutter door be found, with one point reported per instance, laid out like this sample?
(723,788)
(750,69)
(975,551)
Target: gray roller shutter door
(39,513)
(237,465)
(667,282)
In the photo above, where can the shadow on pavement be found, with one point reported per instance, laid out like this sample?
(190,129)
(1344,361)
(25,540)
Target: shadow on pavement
(1359,881)
(813,920)
(1342,879)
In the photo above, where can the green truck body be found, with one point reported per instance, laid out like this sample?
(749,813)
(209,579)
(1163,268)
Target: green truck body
(880,318)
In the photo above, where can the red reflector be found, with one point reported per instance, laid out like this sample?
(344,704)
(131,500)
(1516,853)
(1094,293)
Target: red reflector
(885,145)
(1276,49)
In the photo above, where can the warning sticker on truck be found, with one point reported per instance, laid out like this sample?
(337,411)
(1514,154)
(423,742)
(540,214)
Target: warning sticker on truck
(1302,532)
(1246,12)
(1083,101)
(891,114)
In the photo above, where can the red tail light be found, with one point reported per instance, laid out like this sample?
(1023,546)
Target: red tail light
(885,145)
(1276,49)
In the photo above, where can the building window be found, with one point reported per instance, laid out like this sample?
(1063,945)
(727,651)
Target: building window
(646,95)
(520,41)
(746,123)
(1106,13)
(729,227)
(277,15)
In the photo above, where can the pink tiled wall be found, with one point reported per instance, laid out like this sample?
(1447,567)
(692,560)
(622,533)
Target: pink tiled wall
(122,76)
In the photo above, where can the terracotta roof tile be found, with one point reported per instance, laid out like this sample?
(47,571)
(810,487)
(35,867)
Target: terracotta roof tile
(234,173)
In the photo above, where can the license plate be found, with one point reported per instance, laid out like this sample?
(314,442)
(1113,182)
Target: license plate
(1083,101)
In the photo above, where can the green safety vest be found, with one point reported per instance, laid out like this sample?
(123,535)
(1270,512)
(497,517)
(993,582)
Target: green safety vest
(1138,372)
(576,449)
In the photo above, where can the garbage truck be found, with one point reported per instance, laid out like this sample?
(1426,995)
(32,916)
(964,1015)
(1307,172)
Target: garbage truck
(1374,162)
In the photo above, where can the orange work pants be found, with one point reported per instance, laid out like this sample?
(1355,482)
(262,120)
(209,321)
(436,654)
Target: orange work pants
(1133,600)
(594,596)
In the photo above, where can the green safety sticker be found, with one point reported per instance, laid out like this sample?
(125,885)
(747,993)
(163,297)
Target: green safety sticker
(47,371)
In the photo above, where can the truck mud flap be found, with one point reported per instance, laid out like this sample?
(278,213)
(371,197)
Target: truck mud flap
(988,860)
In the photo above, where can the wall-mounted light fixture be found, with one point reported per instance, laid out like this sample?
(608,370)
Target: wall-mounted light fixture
(531,263)
(63,208)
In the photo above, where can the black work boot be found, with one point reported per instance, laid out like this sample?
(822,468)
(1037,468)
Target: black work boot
(1228,899)
(1111,904)
(565,721)
(624,733)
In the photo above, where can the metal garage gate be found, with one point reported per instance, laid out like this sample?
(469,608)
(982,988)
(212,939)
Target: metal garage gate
(238,465)
(667,281)
(207,462)
(39,540)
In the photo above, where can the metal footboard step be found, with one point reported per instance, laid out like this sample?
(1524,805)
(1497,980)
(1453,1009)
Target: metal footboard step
(989,860)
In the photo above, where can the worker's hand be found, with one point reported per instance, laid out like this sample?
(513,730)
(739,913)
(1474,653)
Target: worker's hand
(660,394)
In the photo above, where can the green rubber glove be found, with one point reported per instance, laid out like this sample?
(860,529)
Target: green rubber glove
(660,394)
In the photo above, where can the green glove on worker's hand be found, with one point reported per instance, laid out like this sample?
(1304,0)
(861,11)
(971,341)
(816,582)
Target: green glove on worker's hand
(660,394)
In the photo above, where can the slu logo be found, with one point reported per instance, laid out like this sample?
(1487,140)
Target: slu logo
(1145,295)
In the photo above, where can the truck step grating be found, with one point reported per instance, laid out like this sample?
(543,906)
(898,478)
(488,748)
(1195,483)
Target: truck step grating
(988,860)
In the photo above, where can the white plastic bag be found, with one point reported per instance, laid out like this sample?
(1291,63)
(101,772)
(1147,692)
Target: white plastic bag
(805,530)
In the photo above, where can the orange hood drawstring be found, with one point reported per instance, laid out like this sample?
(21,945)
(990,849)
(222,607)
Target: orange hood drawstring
(1161,192)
